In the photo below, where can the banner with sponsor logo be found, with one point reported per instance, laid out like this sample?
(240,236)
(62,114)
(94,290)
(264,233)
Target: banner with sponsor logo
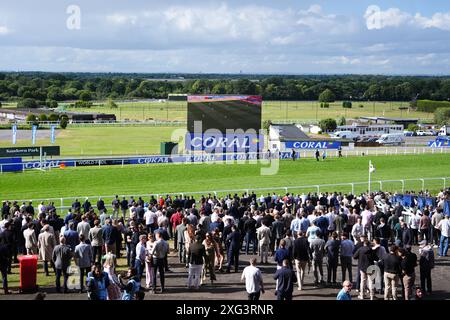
(10,164)
(439,143)
(313,144)
(224,143)
(154,160)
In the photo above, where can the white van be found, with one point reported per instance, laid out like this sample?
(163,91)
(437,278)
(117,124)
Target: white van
(343,135)
(392,139)
(444,131)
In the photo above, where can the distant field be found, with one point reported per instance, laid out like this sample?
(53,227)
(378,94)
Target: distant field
(146,179)
(273,110)
(105,140)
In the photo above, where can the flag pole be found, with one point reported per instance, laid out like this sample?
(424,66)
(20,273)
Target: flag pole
(370,173)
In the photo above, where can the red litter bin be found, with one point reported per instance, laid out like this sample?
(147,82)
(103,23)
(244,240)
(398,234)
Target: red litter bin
(28,273)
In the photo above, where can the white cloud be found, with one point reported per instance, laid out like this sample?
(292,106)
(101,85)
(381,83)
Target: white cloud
(394,17)
(316,20)
(121,19)
(4,30)
(438,20)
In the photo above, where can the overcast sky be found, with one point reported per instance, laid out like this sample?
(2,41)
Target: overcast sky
(282,36)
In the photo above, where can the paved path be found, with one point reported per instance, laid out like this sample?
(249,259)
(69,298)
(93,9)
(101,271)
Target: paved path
(229,286)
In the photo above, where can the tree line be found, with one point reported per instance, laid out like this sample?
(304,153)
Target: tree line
(48,88)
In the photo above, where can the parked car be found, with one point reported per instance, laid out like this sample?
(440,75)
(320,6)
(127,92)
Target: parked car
(422,133)
(391,139)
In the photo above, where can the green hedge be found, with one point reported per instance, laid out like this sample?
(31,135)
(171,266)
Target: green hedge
(431,106)
(442,116)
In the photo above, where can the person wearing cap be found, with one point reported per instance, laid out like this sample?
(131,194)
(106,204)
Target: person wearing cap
(426,263)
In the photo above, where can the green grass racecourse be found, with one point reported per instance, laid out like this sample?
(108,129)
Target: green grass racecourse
(146,179)
(106,141)
(272,110)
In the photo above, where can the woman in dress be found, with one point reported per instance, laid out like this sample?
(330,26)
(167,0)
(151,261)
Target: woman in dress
(189,236)
(217,238)
(210,247)
(149,262)
(114,292)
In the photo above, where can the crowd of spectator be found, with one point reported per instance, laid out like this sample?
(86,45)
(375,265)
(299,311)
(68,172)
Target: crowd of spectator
(375,231)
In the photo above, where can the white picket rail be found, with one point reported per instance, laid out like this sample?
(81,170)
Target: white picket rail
(65,202)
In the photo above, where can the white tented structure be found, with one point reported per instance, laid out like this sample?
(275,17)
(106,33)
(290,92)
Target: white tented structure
(278,133)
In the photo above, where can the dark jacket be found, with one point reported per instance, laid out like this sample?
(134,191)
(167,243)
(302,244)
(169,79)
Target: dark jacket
(278,229)
(391,263)
(286,279)
(62,255)
(301,252)
(409,263)
(234,240)
(5,255)
(110,234)
(407,237)
(364,257)
(196,253)
(332,249)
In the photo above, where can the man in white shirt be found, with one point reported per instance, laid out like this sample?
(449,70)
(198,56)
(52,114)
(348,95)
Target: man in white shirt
(150,217)
(357,231)
(253,281)
(367,218)
(444,226)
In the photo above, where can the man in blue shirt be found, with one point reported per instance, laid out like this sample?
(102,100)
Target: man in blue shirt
(281,254)
(344,294)
(285,281)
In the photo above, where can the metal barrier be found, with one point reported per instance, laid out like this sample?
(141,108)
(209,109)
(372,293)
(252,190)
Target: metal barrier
(122,160)
(350,186)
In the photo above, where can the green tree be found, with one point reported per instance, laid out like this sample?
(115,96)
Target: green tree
(266,125)
(342,121)
(64,120)
(43,117)
(327,96)
(413,127)
(27,103)
(347,104)
(31,118)
(442,116)
(85,95)
(328,124)
(53,117)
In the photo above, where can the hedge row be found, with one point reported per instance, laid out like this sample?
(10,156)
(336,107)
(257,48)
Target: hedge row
(431,106)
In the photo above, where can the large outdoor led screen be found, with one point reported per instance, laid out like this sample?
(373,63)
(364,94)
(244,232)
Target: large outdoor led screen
(224,112)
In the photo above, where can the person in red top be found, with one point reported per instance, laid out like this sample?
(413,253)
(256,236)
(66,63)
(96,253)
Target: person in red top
(175,220)
(161,201)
